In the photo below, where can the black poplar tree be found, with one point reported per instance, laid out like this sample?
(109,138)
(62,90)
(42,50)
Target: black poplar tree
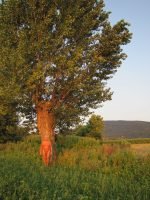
(58,55)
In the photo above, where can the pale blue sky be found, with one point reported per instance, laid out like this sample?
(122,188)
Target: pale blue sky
(131,84)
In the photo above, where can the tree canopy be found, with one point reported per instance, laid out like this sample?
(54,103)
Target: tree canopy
(58,51)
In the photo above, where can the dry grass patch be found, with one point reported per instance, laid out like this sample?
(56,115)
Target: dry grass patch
(141,149)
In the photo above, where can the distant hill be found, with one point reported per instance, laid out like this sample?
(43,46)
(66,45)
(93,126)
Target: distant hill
(127,129)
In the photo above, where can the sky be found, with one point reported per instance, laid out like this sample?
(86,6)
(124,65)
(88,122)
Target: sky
(131,83)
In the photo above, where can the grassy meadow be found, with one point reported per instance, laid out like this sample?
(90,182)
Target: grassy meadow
(85,169)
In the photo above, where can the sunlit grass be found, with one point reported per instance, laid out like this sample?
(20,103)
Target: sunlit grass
(85,170)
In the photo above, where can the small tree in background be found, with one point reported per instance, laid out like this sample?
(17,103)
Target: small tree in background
(93,128)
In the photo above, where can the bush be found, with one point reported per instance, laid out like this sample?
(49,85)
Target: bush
(93,128)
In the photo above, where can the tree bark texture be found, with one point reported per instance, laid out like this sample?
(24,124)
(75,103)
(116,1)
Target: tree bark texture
(46,126)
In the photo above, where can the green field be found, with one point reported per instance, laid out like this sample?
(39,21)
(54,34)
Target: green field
(85,170)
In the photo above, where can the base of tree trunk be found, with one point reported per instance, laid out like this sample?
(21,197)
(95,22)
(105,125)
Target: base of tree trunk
(46,152)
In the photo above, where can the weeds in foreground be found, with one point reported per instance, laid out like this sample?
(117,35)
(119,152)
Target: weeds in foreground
(85,170)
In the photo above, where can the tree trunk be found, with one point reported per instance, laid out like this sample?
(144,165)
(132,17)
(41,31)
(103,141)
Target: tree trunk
(46,125)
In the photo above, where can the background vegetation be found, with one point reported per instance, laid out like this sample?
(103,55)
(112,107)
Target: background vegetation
(93,128)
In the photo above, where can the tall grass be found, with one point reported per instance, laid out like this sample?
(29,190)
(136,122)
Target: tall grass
(84,170)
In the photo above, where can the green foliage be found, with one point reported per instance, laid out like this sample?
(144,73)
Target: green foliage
(8,125)
(91,175)
(8,113)
(93,128)
(82,130)
(10,130)
(59,51)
